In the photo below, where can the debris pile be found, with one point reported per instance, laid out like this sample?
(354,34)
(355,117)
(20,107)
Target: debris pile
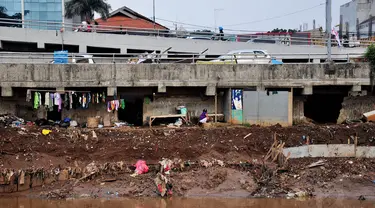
(9,120)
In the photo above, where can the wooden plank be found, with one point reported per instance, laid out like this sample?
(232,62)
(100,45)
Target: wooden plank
(169,116)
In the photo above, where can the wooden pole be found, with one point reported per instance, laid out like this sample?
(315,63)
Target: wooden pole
(216,106)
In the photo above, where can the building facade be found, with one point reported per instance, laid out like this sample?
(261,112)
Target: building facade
(357,18)
(35,12)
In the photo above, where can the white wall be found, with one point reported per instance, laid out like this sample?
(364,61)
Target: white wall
(349,13)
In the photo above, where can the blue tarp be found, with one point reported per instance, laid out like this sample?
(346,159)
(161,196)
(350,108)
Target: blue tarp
(274,61)
(60,57)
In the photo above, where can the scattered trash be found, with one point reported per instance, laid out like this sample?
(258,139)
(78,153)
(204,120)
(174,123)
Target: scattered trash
(361,198)
(163,185)
(100,126)
(166,166)
(73,123)
(247,135)
(178,123)
(94,135)
(369,116)
(140,168)
(120,124)
(350,162)
(11,121)
(205,163)
(45,132)
(316,164)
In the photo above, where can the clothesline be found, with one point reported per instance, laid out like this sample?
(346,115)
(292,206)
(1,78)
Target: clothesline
(64,91)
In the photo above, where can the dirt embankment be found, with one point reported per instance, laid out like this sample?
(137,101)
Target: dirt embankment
(241,150)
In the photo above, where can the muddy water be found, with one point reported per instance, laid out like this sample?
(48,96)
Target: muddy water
(180,203)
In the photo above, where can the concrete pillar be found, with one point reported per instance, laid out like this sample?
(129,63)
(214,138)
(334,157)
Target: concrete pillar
(356,88)
(111,91)
(298,109)
(82,49)
(316,61)
(261,88)
(124,50)
(307,90)
(40,45)
(6,91)
(1,44)
(211,90)
(60,89)
(162,88)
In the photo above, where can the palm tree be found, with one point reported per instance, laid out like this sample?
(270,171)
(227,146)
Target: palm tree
(87,8)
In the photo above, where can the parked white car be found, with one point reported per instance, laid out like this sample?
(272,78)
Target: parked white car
(244,57)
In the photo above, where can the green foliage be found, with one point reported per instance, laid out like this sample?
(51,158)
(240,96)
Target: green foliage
(87,8)
(370,56)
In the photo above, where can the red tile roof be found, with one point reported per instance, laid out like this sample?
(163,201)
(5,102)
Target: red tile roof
(126,22)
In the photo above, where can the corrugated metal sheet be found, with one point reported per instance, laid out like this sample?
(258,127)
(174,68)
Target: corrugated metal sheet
(266,108)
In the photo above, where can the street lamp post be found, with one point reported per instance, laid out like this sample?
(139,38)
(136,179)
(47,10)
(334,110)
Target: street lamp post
(153,8)
(329,28)
(216,10)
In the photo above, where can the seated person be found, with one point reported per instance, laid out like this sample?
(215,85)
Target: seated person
(203,118)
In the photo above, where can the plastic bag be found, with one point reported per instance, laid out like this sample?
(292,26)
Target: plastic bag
(141,167)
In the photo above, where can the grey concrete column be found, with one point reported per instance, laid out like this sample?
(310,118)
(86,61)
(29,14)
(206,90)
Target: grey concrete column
(261,88)
(162,88)
(124,50)
(82,48)
(211,90)
(316,61)
(307,90)
(60,89)
(111,91)
(356,88)
(40,45)
(6,91)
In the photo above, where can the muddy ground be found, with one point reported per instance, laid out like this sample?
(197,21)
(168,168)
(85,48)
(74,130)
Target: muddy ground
(240,148)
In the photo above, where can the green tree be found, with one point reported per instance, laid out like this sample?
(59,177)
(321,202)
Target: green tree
(87,8)
(370,56)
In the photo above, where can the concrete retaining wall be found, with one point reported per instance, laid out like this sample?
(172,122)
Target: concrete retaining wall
(331,150)
(182,75)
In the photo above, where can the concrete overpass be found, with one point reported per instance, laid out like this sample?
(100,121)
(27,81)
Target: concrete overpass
(303,76)
(84,42)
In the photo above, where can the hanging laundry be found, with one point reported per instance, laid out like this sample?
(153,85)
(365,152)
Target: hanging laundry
(36,100)
(97,98)
(56,98)
(60,103)
(46,99)
(40,99)
(88,100)
(103,98)
(28,96)
(70,100)
(122,104)
(84,100)
(66,101)
(51,101)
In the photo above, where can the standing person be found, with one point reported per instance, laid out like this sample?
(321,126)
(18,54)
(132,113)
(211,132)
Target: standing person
(221,31)
(203,118)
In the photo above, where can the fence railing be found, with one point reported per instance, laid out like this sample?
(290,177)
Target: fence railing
(167,58)
(252,36)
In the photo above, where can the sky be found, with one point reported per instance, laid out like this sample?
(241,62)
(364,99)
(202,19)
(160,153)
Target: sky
(249,15)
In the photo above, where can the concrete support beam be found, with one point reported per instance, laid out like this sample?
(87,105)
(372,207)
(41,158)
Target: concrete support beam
(111,91)
(307,90)
(124,50)
(356,88)
(162,88)
(211,90)
(6,91)
(82,48)
(40,45)
(316,61)
(261,88)
(60,89)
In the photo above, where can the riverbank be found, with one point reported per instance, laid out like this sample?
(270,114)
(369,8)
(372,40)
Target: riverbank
(223,162)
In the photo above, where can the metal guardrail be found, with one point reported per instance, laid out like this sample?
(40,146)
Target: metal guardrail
(282,39)
(131,58)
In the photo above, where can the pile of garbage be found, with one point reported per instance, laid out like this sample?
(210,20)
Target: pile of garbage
(8,120)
